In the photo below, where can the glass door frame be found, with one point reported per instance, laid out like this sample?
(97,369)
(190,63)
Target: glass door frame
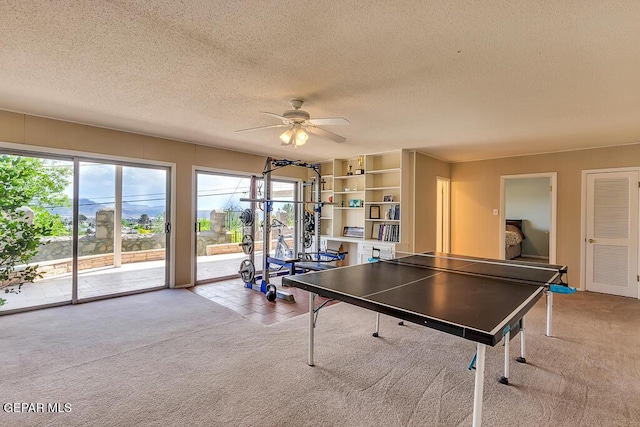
(9,151)
(76,207)
(296,183)
(55,154)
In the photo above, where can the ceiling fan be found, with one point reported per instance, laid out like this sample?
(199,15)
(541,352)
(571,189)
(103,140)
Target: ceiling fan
(298,122)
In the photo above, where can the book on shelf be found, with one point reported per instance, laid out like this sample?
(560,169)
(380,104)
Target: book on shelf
(386,232)
(375,231)
(393,212)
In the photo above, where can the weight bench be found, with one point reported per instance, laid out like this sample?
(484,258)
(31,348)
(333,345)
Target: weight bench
(320,261)
(315,265)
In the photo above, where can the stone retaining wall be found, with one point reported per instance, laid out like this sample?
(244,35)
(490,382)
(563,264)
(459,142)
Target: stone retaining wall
(231,248)
(55,248)
(65,266)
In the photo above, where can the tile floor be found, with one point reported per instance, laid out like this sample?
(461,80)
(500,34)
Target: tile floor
(253,304)
(131,277)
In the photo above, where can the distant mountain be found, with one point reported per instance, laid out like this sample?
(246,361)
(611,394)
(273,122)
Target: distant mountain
(89,208)
(130,210)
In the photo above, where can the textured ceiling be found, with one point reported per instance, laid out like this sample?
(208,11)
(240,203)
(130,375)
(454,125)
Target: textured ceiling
(459,80)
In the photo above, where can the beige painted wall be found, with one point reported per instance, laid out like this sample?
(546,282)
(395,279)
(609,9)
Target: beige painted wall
(427,170)
(89,140)
(476,192)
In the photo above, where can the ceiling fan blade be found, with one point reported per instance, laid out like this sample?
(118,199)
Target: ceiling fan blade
(263,127)
(277,116)
(329,121)
(326,134)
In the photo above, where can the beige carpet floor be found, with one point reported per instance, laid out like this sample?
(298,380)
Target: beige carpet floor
(172,358)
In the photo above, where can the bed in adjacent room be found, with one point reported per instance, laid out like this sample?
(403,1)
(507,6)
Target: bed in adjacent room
(513,237)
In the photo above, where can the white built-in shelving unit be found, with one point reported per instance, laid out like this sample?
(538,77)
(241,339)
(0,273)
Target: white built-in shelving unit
(368,194)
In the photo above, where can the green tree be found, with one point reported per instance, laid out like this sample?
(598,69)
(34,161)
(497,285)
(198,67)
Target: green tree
(233,224)
(35,183)
(288,208)
(158,223)
(19,244)
(204,224)
(32,182)
(144,219)
(54,226)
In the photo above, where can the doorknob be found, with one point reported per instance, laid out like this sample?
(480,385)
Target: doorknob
(591,241)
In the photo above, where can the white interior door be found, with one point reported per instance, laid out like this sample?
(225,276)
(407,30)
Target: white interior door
(612,233)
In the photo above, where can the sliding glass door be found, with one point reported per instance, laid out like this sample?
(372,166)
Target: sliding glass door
(219,230)
(101,229)
(218,227)
(35,192)
(122,228)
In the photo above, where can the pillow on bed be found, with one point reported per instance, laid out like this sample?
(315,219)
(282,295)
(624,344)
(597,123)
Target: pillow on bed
(515,229)
(511,238)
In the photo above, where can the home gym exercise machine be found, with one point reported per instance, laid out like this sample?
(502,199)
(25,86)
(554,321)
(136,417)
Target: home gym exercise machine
(304,261)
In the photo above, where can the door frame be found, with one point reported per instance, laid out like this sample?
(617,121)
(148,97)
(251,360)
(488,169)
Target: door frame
(169,277)
(553,181)
(443,209)
(194,212)
(583,222)
(76,156)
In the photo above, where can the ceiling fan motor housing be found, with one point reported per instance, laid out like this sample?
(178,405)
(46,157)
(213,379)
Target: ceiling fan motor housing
(296,115)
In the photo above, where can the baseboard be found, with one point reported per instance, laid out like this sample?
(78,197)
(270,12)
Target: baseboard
(534,256)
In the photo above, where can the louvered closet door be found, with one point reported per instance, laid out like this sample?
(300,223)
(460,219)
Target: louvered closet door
(612,233)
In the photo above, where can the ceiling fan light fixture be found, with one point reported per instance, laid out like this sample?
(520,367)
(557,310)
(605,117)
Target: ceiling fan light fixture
(285,137)
(301,137)
(294,136)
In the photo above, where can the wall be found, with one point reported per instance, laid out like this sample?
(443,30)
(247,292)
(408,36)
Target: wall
(476,192)
(61,247)
(24,129)
(427,169)
(529,199)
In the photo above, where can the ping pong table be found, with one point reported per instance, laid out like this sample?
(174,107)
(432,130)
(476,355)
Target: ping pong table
(479,299)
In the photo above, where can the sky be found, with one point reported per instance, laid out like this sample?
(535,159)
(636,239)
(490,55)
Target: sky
(141,186)
(147,186)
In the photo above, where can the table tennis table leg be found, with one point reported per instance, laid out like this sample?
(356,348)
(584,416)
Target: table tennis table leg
(377,332)
(505,379)
(522,358)
(479,387)
(549,311)
(312,298)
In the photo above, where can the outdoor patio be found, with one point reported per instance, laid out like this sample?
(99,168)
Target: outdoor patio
(109,280)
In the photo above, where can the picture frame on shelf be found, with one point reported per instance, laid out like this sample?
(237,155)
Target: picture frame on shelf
(387,198)
(353,231)
(374,212)
(355,203)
